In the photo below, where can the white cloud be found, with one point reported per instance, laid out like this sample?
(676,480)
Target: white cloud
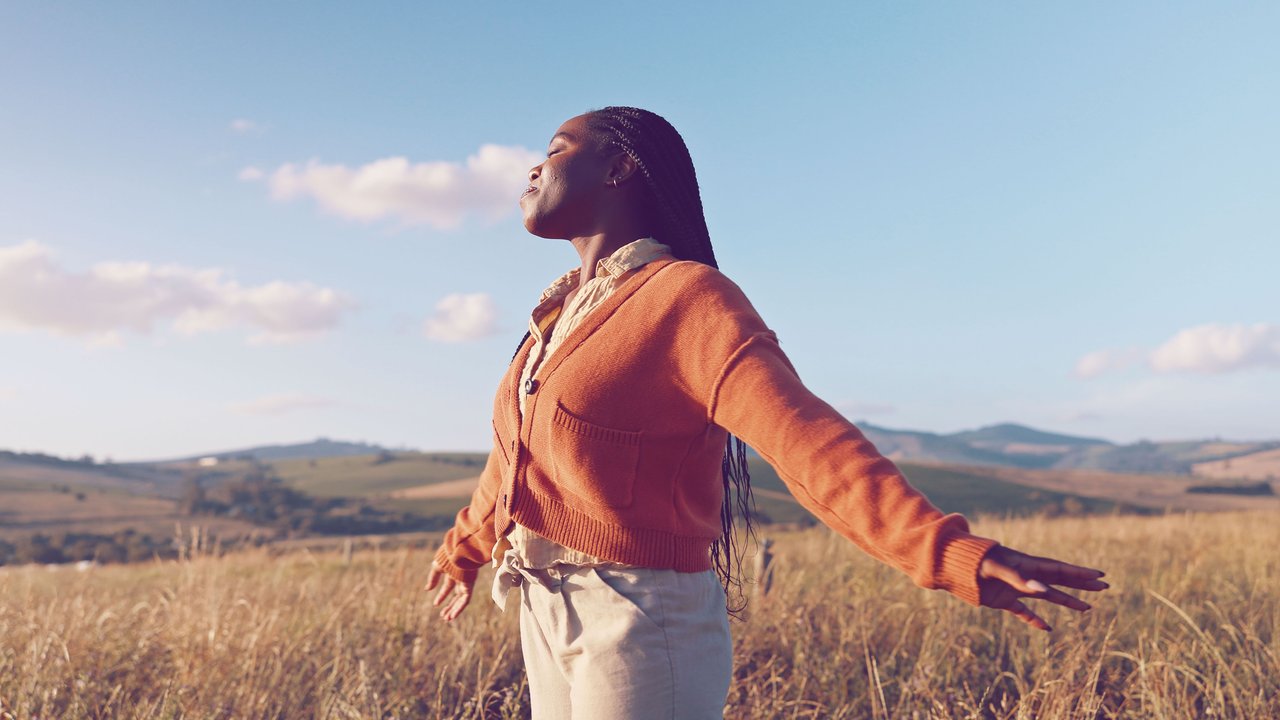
(1099,362)
(244,126)
(1219,349)
(38,293)
(440,194)
(1208,349)
(461,317)
(281,404)
(250,174)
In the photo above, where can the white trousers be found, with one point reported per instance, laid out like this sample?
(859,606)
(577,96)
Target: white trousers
(624,643)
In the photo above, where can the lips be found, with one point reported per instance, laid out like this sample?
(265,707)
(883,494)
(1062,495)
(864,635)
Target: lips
(528,190)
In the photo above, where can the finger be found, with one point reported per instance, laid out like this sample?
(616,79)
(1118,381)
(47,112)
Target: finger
(1014,579)
(433,577)
(1057,572)
(1024,614)
(445,589)
(457,606)
(1058,597)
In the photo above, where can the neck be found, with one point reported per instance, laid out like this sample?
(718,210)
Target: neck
(593,248)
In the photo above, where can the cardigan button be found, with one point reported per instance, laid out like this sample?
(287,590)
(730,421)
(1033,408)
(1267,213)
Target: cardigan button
(530,386)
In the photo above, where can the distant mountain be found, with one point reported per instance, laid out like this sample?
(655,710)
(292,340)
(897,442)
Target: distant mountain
(1012,445)
(318,448)
(917,445)
(1010,433)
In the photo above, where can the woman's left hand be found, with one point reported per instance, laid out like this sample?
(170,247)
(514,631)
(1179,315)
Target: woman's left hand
(1006,576)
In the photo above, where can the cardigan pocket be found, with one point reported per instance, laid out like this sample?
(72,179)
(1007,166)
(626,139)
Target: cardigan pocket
(595,463)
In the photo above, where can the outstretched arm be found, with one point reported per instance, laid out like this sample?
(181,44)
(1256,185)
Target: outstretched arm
(838,475)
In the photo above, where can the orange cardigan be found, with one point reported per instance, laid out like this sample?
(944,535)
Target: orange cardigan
(618,452)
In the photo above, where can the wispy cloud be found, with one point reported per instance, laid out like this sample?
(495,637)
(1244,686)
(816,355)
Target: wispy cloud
(282,404)
(1206,349)
(245,126)
(39,293)
(462,317)
(1100,362)
(250,174)
(439,194)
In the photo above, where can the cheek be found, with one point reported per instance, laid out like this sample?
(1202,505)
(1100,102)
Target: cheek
(540,209)
(549,183)
(552,193)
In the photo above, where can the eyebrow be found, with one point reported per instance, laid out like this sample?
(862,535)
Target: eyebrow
(563,135)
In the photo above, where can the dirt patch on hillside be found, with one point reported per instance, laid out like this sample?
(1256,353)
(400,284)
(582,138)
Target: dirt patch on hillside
(1263,465)
(449,489)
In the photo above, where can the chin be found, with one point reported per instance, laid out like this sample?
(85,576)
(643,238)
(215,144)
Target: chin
(531,226)
(541,229)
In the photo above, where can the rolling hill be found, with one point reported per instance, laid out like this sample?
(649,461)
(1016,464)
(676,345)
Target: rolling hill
(342,488)
(318,448)
(1004,444)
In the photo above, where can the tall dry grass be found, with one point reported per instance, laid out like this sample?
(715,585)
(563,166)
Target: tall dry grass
(1189,629)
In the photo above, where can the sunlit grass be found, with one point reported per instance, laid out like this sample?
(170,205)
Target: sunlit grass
(1188,630)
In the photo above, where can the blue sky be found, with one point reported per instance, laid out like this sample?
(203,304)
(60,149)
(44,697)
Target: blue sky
(227,225)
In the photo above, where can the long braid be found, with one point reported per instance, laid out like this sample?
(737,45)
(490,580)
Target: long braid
(663,160)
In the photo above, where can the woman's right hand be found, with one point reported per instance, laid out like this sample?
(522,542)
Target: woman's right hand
(453,595)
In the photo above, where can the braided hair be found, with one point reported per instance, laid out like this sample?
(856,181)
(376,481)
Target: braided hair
(672,200)
(675,204)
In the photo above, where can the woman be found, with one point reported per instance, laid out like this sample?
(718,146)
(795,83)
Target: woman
(606,499)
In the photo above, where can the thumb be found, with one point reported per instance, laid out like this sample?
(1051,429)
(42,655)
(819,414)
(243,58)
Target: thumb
(433,578)
(1013,578)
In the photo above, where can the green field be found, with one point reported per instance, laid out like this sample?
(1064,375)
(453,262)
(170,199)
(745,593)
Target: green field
(57,500)
(967,492)
(954,488)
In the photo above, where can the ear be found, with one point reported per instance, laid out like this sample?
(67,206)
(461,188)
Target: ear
(621,169)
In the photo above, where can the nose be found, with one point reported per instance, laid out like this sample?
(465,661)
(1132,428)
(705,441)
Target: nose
(534,172)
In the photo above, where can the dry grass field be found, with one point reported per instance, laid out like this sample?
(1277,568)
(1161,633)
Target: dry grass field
(1191,628)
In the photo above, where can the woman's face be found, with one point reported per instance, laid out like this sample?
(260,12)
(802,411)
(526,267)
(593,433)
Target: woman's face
(565,190)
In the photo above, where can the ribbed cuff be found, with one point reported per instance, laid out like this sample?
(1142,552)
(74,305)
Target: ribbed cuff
(958,571)
(446,565)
